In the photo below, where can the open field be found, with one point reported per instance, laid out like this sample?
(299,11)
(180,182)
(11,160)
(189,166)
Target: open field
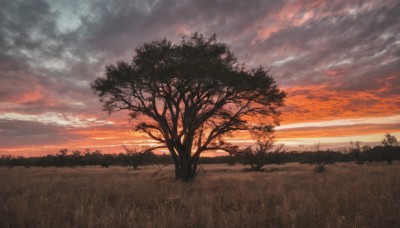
(288,195)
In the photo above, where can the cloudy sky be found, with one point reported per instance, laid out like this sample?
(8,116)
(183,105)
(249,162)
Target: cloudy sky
(338,61)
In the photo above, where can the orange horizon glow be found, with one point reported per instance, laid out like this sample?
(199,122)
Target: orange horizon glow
(331,134)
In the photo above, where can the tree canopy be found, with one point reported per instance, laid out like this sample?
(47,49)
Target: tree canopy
(389,140)
(191,94)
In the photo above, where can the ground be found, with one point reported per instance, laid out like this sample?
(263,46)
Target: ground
(291,195)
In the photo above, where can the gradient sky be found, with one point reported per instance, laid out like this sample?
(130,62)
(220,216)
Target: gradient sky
(338,61)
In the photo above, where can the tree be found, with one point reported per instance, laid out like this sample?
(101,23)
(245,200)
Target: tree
(62,152)
(389,140)
(319,165)
(366,148)
(188,96)
(264,153)
(136,158)
(62,157)
(356,151)
(390,143)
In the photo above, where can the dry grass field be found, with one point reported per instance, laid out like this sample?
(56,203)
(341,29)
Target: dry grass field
(288,195)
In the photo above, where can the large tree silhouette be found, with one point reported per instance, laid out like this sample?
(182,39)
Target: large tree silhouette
(191,95)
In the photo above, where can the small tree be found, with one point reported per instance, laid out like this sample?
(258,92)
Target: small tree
(106,160)
(234,151)
(62,157)
(356,151)
(389,140)
(189,96)
(137,158)
(319,165)
(262,155)
(76,158)
(366,148)
(390,143)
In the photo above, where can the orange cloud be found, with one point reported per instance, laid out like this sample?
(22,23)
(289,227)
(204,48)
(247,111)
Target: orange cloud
(335,131)
(313,103)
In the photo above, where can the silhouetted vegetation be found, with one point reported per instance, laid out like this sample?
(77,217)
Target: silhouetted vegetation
(320,161)
(96,158)
(192,93)
(136,158)
(264,153)
(390,144)
(88,158)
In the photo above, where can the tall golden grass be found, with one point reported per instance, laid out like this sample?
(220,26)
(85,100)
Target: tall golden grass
(289,195)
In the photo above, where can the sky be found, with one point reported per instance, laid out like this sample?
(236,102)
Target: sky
(338,61)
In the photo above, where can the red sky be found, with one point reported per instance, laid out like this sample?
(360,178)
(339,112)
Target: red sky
(338,61)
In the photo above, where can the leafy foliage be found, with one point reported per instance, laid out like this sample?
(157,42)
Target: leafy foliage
(389,140)
(190,95)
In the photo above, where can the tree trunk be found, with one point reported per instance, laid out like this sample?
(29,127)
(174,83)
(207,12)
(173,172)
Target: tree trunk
(185,169)
(176,162)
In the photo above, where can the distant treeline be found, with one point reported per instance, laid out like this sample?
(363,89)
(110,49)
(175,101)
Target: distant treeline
(135,159)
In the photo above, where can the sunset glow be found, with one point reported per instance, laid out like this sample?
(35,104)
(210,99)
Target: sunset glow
(338,61)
